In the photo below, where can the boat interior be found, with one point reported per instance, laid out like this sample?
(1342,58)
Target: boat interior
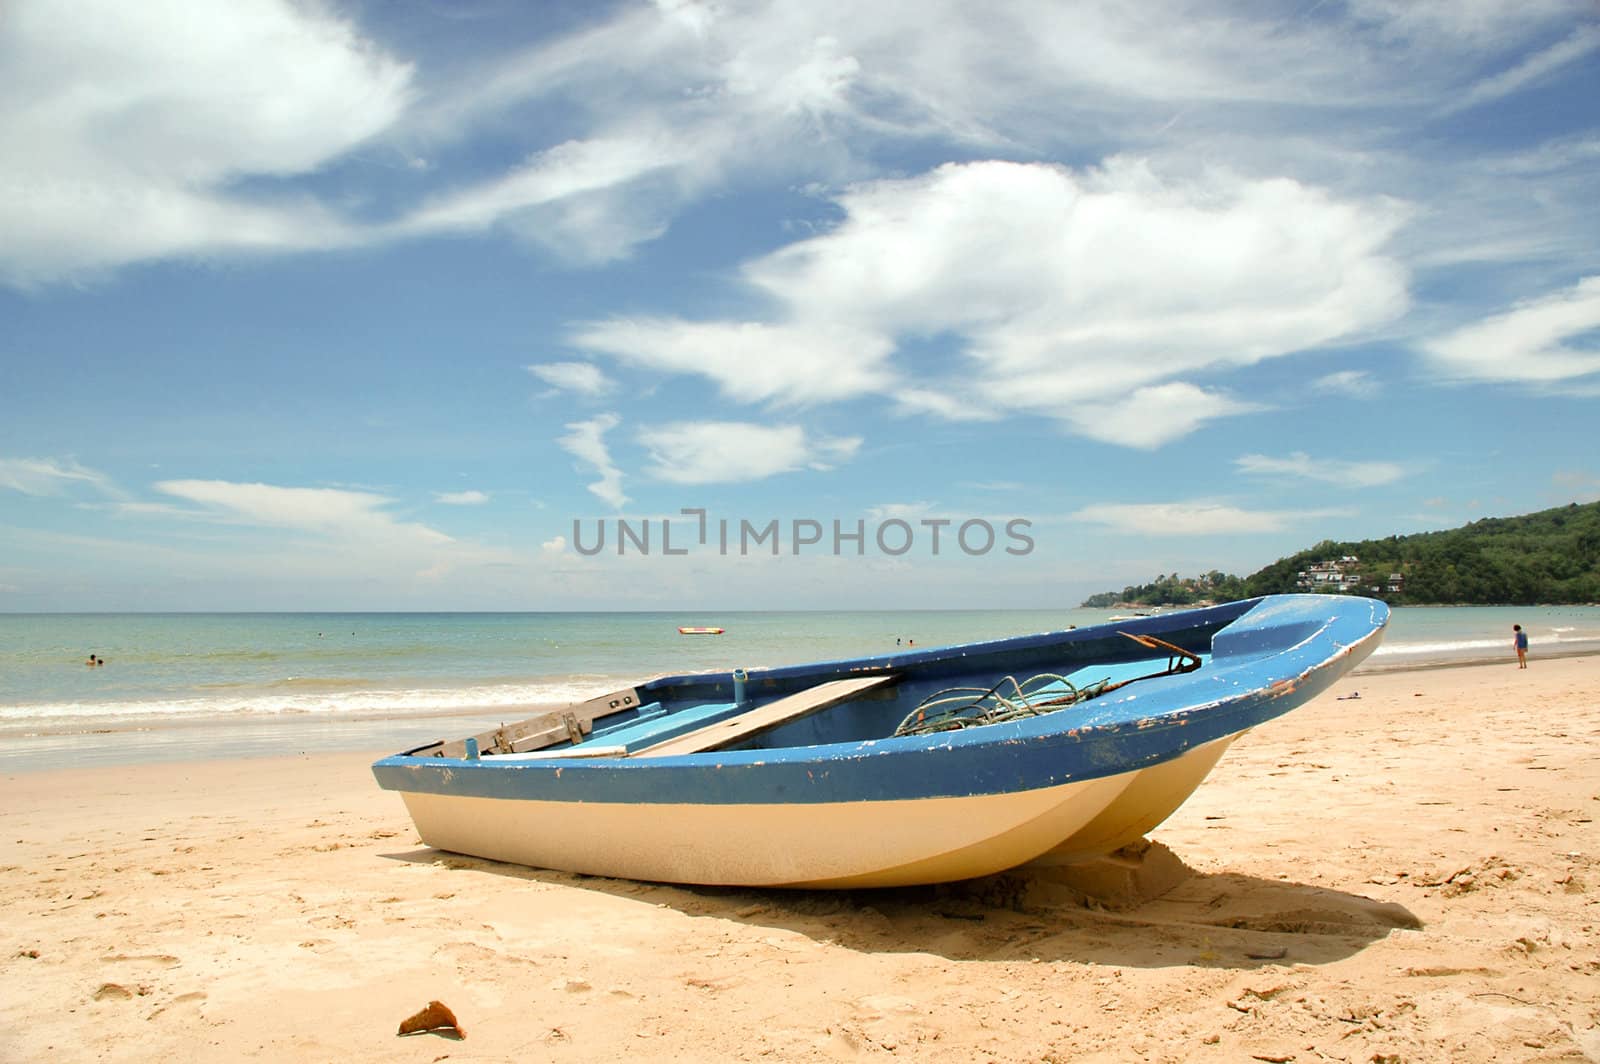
(851,701)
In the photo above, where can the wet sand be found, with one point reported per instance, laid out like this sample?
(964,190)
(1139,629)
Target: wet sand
(1409,875)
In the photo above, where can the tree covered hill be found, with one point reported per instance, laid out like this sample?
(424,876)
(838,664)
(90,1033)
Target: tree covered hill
(1550,557)
(1174,590)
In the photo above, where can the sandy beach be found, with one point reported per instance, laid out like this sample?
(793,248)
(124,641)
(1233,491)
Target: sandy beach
(1410,875)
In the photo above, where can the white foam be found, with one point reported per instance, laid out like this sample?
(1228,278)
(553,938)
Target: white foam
(371,702)
(1453,647)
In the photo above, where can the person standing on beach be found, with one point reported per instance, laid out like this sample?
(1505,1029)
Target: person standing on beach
(1519,639)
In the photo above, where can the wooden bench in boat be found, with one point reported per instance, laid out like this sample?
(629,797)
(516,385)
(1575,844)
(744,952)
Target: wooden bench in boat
(725,733)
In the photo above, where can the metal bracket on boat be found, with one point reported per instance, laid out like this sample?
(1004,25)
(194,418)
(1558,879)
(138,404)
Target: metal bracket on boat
(566,725)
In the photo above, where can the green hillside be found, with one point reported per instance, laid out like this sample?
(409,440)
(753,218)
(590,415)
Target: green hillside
(1550,557)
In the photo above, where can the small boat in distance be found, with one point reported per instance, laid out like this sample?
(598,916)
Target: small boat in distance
(700,631)
(920,766)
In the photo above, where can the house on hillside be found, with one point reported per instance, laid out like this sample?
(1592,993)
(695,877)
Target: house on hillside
(1341,575)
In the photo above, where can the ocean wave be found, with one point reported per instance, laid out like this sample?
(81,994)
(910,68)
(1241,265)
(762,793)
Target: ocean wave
(1450,647)
(305,653)
(321,683)
(314,696)
(1467,646)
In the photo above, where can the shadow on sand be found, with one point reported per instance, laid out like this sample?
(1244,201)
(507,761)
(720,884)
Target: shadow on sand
(1217,920)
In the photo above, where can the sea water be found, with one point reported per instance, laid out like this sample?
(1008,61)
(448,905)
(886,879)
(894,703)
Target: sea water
(192,684)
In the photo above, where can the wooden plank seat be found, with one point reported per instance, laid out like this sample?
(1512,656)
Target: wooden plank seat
(725,733)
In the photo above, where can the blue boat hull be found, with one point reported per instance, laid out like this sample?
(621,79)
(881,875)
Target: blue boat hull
(835,799)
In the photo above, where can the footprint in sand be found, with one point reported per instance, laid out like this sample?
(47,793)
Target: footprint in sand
(165,960)
(182,1005)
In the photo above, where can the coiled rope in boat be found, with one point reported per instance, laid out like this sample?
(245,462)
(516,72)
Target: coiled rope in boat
(957,708)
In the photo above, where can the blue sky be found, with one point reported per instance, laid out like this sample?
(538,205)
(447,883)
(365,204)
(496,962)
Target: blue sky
(362,306)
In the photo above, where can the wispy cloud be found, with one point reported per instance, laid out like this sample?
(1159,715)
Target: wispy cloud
(1581,42)
(585,441)
(902,510)
(584,378)
(132,157)
(1578,485)
(1302,466)
(472,497)
(574,199)
(944,405)
(715,452)
(1196,517)
(1537,341)
(51,476)
(1450,27)
(1354,383)
(332,512)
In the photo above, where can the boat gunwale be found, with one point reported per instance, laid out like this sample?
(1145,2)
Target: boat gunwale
(922,659)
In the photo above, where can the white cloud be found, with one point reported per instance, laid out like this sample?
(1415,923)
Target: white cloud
(1094,282)
(585,441)
(829,451)
(461,498)
(1327,470)
(50,476)
(951,407)
(1152,416)
(1528,343)
(1198,517)
(555,545)
(715,452)
(1075,295)
(143,121)
(583,378)
(904,511)
(332,512)
(1354,383)
(750,361)
(139,120)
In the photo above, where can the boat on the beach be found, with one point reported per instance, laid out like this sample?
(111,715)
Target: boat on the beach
(921,766)
(699,631)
